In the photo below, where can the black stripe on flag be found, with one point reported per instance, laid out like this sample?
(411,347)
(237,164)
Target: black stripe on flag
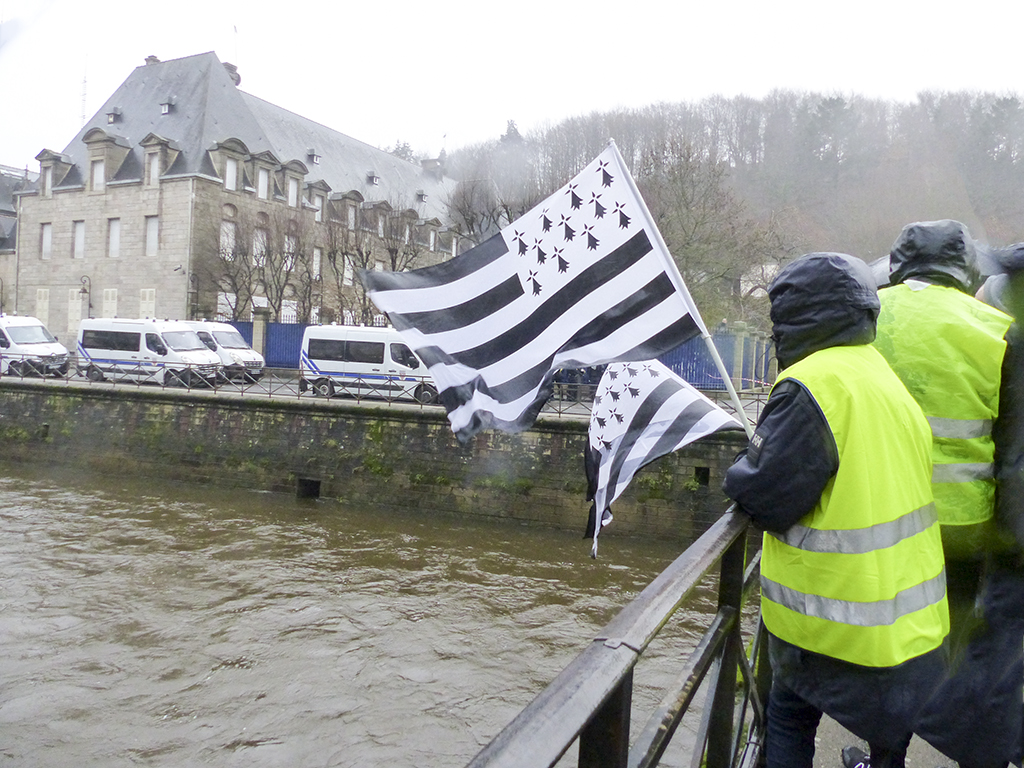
(681,425)
(463,265)
(563,300)
(460,315)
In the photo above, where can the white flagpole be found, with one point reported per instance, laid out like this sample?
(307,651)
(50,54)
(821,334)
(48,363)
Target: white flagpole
(673,272)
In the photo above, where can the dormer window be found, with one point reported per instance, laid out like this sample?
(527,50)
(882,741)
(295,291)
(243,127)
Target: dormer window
(231,174)
(372,178)
(167,106)
(421,196)
(114,116)
(314,158)
(293,192)
(98,176)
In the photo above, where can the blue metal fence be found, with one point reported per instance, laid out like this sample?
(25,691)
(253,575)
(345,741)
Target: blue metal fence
(746,355)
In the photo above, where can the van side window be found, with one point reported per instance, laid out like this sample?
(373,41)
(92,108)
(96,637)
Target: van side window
(402,355)
(121,341)
(327,349)
(4,343)
(365,352)
(155,343)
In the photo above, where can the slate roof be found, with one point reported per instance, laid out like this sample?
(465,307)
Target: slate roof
(207,108)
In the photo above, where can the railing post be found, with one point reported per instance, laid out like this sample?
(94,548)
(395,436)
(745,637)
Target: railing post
(730,595)
(604,742)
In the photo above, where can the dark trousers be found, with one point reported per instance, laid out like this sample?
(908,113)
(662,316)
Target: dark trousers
(792,723)
(877,704)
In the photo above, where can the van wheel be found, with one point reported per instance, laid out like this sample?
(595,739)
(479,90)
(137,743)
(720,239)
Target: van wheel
(173,379)
(324,387)
(15,369)
(94,373)
(303,386)
(426,394)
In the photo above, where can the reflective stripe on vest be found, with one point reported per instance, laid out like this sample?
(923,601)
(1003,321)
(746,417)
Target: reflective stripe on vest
(861,577)
(947,347)
(860,540)
(875,614)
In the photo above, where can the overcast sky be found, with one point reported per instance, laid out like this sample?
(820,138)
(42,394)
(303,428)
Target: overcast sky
(448,73)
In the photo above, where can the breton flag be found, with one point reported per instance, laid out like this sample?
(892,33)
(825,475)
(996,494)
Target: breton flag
(641,411)
(582,279)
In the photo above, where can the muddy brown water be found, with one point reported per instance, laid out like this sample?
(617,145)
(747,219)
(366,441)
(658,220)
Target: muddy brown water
(159,624)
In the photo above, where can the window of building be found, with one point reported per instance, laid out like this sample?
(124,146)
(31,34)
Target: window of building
(147,302)
(47,181)
(75,299)
(109,302)
(98,176)
(228,232)
(351,211)
(260,238)
(45,241)
(293,192)
(231,174)
(263,184)
(433,240)
(290,246)
(152,235)
(318,204)
(113,238)
(78,240)
(380,225)
(378,266)
(405,235)
(42,308)
(346,277)
(317,258)
(153,169)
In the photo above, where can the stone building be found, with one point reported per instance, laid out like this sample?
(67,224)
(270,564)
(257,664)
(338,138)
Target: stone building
(186,197)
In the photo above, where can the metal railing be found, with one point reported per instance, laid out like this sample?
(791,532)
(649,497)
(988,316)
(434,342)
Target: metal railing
(590,701)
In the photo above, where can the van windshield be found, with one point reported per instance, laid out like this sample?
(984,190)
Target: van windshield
(230,339)
(30,334)
(183,341)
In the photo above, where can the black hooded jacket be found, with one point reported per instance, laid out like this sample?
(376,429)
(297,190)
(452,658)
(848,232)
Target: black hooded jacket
(821,300)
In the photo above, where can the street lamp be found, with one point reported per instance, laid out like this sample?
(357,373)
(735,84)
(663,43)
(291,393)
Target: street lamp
(86,290)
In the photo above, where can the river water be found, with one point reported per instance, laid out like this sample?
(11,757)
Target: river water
(158,624)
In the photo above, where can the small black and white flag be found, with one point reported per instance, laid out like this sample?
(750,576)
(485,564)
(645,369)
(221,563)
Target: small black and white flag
(582,279)
(641,411)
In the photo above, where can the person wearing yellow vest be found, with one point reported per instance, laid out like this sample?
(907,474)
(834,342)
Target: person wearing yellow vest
(838,475)
(964,363)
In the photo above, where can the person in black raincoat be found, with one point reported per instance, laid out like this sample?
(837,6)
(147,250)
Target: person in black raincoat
(952,353)
(838,474)
(977,716)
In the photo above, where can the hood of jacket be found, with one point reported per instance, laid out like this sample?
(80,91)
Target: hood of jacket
(822,300)
(941,252)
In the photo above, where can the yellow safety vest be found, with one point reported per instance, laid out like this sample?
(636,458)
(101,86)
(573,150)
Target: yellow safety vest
(947,348)
(861,577)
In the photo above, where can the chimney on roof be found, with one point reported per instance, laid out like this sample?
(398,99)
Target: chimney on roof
(152,60)
(233,73)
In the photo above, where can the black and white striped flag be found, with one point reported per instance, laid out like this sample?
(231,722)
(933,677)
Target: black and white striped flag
(641,411)
(582,279)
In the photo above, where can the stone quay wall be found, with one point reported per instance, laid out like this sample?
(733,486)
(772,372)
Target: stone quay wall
(398,456)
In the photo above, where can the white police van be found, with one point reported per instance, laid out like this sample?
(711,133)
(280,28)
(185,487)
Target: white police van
(239,360)
(356,360)
(27,348)
(163,351)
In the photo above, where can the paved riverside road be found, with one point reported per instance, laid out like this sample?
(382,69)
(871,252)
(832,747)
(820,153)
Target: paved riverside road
(832,737)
